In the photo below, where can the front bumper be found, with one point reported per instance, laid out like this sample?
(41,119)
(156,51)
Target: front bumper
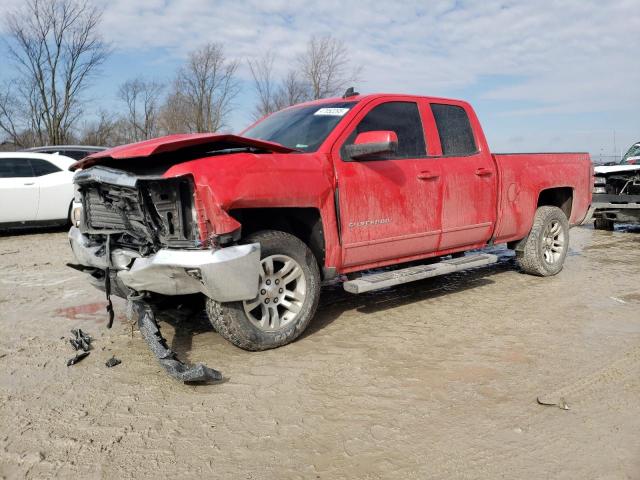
(168,359)
(225,275)
(618,208)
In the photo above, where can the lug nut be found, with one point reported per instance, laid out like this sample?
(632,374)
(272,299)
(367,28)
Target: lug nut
(266,300)
(263,291)
(277,282)
(281,290)
(268,282)
(275,300)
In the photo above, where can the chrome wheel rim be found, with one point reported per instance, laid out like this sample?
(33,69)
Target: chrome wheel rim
(553,242)
(281,294)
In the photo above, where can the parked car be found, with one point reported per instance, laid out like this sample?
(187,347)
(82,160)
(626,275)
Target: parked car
(616,192)
(76,152)
(35,189)
(256,223)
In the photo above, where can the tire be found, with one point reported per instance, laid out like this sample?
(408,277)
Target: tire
(603,224)
(297,298)
(546,246)
(70,215)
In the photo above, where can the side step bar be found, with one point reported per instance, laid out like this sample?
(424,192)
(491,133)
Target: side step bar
(378,281)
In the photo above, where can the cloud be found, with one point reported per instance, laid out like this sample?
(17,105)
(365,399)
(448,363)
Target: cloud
(576,53)
(558,58)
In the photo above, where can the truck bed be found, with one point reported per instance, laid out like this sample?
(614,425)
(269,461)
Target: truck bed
(522,175)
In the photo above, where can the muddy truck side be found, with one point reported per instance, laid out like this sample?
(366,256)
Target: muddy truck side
(254,224)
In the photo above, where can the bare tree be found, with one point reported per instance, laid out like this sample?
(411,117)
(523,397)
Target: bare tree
(264,84)
(175,113)
(56,48)
(203,91)
(274,95)
(323,70)
(326,67)
(13,122)
(107,130)
(142,102)
(20,117)
(292,90)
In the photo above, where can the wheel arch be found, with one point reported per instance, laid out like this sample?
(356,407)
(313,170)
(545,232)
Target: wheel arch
(561,197)
(303,223)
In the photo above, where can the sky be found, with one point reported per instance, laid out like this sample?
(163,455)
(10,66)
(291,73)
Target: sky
(542,75)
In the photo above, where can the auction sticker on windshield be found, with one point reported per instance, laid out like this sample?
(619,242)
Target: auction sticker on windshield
(332,112)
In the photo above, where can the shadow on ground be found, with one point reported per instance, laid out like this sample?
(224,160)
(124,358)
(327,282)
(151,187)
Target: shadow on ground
(334,301)
(30,230)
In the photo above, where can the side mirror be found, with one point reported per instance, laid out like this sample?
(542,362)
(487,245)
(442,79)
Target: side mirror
(372,144)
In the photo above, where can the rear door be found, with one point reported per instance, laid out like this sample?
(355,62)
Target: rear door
(19,193)
(469,178)
(381,202)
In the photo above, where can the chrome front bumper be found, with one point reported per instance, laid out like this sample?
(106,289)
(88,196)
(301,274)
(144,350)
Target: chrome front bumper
(604,207)
(225,275)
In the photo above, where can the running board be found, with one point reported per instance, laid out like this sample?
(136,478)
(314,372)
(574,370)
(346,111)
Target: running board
(378,281)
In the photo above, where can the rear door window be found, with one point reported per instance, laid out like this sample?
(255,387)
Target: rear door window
(15,168)
(454,129)
(75,154)
(42,167)
(403,118)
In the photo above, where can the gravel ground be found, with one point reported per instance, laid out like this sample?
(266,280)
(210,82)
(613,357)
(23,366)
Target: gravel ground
(436,379)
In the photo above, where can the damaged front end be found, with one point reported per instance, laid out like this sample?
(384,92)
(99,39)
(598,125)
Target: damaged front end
(616,194)
(138,237)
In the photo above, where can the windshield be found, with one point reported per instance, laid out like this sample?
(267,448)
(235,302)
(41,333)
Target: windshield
(634,151)
(302,128)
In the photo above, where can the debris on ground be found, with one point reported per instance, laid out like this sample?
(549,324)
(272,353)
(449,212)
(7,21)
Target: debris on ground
(80,340)
(79,357)
(562,404)
(112,362)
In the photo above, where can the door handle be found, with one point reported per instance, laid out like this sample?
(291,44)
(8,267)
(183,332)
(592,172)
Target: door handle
(483,172)
(427,175)
(30,183)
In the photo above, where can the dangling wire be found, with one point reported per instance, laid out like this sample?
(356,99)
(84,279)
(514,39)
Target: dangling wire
(107,283)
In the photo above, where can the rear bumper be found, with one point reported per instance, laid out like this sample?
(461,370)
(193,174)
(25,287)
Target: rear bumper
(226,275)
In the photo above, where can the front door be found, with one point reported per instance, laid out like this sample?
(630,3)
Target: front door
(18,191)
(384,207)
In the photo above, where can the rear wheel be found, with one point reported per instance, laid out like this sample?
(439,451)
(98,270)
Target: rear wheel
(603,224)
(547,244)
(287,299)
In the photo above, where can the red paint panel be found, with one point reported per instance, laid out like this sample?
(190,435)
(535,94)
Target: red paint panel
(388,208)
(523,176)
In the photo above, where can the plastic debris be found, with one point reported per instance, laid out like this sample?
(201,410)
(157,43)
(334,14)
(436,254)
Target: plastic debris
(561,403)
(79,357)
(112,362)
(80,340)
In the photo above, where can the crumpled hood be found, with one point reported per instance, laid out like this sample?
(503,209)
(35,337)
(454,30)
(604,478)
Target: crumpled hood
(606,169)
(201,143)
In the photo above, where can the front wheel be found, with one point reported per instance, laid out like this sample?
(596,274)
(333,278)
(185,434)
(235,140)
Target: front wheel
(288,294)
(547,244)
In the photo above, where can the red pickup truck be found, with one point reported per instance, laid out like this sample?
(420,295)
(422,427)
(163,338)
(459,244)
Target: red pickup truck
(255,223)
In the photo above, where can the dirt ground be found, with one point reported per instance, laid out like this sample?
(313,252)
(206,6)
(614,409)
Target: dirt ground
(436,379)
